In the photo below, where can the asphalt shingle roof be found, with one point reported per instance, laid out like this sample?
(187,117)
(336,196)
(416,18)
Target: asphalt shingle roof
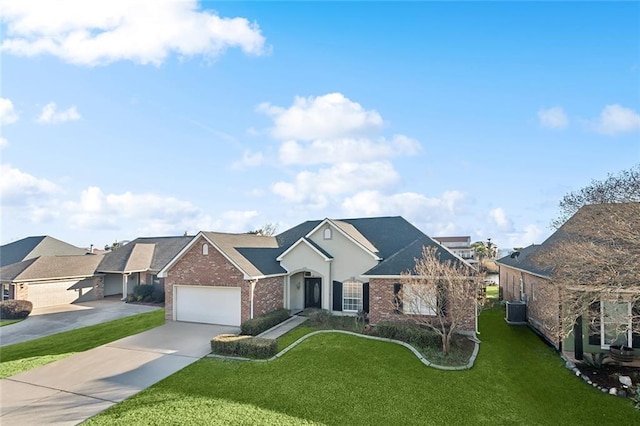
(393,239)
(51,267)
(165,249)
(590,221)
(32,247)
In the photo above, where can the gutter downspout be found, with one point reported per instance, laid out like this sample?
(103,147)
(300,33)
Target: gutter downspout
(253,287)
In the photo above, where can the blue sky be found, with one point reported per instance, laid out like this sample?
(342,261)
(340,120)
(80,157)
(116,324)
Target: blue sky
(127,119)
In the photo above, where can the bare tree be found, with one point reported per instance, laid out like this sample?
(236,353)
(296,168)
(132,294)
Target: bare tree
(620,188)
(594,258)
(440,295)
(267,230)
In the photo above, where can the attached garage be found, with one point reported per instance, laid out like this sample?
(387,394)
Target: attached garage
(205,304)
(60,292)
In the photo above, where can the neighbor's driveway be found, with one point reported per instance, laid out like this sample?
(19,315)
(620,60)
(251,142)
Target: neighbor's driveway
(56,319)
(73,389)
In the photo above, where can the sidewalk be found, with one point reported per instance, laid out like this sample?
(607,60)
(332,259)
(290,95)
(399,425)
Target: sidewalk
(283,327)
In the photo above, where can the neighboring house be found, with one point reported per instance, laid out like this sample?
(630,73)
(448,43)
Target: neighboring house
(138,262)
(32,247)
(343,266)
(461,246)
(523,277)
(52,280)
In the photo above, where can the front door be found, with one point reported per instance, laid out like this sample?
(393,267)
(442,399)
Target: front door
(313,293)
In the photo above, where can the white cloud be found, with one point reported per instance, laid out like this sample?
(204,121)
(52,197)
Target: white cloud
(51,115)
(249,159)
(315,189)
(433,213)
(553,118)
(499,218)
(148,214)
(143,31)
(323,117)
(3,143)
(616,119)
(343,150)
(18,187)
(8,114)
(531,234)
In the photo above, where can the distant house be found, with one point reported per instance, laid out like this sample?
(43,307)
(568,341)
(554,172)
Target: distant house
(52,280)
(613,319)
(461,246)
(138,262)
(343,266)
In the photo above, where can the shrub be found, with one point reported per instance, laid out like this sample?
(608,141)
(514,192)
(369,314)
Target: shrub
(157,296)
(147,299)
(262,323)
(142,291)
(15,309)
(409,333)
(244,346)
(320,318)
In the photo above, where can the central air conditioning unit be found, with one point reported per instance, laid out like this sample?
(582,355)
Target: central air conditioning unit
(516,313)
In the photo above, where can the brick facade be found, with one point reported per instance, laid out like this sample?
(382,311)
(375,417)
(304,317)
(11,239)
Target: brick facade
(541,296)
(268,295)
(381,307)
(213,269)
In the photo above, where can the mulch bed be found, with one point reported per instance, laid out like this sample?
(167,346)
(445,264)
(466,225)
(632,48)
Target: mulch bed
(607,376)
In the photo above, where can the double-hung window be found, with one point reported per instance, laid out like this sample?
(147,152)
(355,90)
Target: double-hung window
(419,299)
(352,296)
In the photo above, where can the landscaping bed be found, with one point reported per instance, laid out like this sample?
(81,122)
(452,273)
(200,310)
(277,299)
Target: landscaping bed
(608,375)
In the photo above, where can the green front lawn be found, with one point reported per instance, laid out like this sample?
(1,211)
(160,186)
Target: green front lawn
(9,322)
(24,356)
(341,379)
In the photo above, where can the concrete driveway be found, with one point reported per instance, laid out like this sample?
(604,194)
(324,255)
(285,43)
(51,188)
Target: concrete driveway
(73,389)
(51,320)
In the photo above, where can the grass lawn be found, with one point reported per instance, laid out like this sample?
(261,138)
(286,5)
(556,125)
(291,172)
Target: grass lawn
(341,379)
(8,322)
(24,356)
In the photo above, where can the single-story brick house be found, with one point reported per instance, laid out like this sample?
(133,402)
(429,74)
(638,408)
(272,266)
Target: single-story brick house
(343,266)
(524,277)
(53,280)
(138,262)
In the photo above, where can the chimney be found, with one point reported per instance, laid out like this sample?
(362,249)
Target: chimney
(91,249)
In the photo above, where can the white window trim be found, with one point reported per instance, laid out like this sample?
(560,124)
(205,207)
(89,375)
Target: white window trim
(412,305)
(205,249)
(327,234)
(603,343)
(361,298)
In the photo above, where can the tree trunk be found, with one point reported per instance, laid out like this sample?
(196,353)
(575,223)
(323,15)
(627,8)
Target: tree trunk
(446,343)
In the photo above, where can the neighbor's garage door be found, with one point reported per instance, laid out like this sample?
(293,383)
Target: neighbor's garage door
(50,294)
(212,305)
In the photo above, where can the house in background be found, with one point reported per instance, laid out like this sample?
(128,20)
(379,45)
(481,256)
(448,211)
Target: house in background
(138,262)
(52,280)
(524,278)
(461,246)
(344,266)
(32,247)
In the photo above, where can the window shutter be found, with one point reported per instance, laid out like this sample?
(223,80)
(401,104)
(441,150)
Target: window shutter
(337,296)
(594,324)
(397,300)
(365,297)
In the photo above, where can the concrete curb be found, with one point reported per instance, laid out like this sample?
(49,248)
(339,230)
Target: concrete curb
(426,362)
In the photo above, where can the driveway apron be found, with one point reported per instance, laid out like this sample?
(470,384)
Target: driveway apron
(73,389)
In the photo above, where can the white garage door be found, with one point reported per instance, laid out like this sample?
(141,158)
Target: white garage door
(211,305)
(51,294)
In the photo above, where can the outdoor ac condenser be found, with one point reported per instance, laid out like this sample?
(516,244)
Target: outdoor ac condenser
(516,313)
